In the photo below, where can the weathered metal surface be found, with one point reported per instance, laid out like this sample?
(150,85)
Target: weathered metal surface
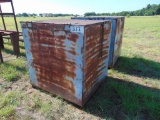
(1,40)
(116,35)
(118,39)
(15,42)
(60,58)
(97,40)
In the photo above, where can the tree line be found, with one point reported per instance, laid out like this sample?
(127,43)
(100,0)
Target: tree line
(149,10)
(42,15)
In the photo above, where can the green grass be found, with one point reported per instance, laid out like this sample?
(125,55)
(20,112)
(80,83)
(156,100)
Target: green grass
(144,68)
(131,90)
(119,99)
(8,104)
(9,21)
(14,70)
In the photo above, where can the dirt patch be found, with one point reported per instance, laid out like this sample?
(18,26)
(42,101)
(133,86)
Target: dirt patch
(8,57)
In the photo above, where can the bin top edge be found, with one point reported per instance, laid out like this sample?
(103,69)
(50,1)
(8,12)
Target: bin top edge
(67,22)
(112,17)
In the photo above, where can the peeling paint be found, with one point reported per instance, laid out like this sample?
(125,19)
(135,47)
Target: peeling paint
(67,63)
(116,35)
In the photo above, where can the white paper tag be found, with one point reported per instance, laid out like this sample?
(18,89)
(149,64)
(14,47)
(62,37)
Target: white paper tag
(77,29)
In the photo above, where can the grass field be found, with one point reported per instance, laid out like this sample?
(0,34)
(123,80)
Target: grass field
(131,90)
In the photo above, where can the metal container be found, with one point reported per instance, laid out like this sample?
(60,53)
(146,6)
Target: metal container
(68,58)
(116,35)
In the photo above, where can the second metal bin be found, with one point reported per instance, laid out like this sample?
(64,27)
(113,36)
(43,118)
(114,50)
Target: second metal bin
(68,58)
(116,35)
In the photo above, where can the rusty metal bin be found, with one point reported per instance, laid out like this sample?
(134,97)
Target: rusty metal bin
(67,57)
(116,35)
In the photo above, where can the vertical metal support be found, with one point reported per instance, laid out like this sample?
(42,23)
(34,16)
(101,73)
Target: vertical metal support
(15,42)
(1,58)
(1,42)
(14,16)
(2,18)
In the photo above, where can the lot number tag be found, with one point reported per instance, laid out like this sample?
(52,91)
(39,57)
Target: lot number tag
(78,29)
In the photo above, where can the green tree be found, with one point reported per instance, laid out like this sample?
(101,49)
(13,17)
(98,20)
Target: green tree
(90,14)
(158,10)
(148,6)
(19,15)
(25,15)
(41,15)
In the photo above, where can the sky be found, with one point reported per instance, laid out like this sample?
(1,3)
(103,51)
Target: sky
(76,6)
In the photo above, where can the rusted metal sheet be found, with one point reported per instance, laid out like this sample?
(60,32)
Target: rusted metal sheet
(118,39)
(66,57)
(97,40)
(116,35)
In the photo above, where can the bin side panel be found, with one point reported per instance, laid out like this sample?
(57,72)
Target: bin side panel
(96,57)
(118,39)
(29,56)
(112,42)
(57,60)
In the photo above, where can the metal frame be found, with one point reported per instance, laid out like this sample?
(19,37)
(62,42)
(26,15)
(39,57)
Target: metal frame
(1,46)
(14,35)
(13,14)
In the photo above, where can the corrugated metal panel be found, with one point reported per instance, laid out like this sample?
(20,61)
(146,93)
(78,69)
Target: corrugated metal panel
(59,59)
(116,35)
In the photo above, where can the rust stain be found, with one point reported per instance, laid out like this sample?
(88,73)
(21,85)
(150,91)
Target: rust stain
(94,63)
(58,90)
(73,37)
(118,26)
(55,61)
(49,57)
(47,26)
(119,35)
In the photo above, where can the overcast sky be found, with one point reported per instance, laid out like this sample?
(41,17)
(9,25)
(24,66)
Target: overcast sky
(77,6)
